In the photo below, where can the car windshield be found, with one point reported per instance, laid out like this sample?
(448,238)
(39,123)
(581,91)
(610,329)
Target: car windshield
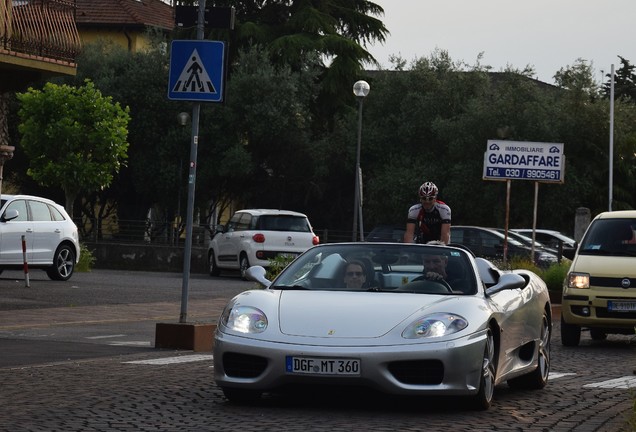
(610,237)
(381,268)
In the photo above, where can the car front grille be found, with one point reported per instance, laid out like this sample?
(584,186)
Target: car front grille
(243,365)
(611,282)
(422,372)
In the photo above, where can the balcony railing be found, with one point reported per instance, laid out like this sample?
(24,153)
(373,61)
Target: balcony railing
(43,28)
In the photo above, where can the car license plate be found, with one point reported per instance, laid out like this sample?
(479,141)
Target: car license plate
(322,366)
(288,255)
(621,306)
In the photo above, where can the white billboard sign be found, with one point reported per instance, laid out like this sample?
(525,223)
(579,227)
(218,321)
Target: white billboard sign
(524,160)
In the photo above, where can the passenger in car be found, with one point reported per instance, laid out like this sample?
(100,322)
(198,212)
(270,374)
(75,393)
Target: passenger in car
(355,275)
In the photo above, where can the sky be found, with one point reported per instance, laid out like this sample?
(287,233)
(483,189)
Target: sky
(546,34)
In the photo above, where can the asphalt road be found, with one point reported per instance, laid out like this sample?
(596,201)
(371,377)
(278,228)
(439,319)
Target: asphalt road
(79,356)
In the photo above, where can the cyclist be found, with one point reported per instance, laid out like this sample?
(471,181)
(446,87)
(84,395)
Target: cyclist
(430,219)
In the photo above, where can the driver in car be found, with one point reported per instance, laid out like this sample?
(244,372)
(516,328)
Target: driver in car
(435,267)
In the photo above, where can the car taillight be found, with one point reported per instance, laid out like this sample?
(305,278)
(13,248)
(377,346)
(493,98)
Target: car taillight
(316,240)
(259,238)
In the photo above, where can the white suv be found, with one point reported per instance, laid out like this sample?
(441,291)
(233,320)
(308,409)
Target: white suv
(253,237)
(51,241)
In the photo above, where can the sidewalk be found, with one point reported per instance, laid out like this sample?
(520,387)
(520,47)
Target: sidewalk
(206,311)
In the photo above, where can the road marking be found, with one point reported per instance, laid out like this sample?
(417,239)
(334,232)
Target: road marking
(555,375)
(625,382)
(105,336)
(130,343)
(173,360)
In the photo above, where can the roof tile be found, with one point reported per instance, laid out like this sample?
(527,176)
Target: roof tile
(133,13)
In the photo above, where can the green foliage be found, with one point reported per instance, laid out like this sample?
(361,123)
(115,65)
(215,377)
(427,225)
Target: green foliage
(277,265)
(86,261)
(331,35)
(277,141)
(74,137)
(554,275)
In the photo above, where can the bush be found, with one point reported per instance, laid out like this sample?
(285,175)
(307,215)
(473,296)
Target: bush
(277,265)
(86,261)
(554,275)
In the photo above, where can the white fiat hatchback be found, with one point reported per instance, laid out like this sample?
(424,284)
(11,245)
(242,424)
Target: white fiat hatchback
(51,240)
(255,236)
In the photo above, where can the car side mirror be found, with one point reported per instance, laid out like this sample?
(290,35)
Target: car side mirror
(10,215)
(507,281)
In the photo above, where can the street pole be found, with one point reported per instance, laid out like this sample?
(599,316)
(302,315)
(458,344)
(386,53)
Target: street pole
(360,90)
(187,253)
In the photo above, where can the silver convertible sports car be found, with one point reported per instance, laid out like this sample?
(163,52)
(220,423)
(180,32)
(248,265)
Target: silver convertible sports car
(404,319)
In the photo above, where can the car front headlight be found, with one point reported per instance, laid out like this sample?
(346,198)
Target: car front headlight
(435,325)
(578,280)
(244,319)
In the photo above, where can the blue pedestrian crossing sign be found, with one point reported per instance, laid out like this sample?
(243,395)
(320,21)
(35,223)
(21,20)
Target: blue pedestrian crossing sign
(197,70)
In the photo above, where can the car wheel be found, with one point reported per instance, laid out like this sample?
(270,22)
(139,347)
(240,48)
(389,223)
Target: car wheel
(598,335)
(483,399)
(63,264)
(244,264)
(570,334)
(538,378)
(212,267)
(241,396)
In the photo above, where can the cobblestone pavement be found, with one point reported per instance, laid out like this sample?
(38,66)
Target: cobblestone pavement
(173,390)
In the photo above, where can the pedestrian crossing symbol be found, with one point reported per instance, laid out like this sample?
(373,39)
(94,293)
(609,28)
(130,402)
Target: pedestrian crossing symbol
(196,71)
(194,78)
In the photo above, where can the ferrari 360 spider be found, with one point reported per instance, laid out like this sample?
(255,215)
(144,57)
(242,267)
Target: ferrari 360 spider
(404,319)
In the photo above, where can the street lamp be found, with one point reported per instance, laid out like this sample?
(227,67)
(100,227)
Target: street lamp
(360,90)
(183,118)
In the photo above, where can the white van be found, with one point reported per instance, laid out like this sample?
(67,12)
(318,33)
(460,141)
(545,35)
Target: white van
(599,291)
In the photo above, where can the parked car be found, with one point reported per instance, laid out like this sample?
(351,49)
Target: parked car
(51,240)
(599,292)
(406,334)
(255,236)
(552,239)
(524,239)
(489,243)
(386,233)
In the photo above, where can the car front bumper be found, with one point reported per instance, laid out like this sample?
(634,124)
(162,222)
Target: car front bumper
(449,367)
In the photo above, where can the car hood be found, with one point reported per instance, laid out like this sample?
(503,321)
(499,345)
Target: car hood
(335,314)
(605,266)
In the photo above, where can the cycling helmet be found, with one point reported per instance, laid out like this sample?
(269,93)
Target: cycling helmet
(428,189)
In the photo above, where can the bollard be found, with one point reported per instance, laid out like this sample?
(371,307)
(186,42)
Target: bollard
(26,265)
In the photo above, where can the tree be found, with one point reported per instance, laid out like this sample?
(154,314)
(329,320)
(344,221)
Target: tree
(74,136)
(331,35)
(624,82)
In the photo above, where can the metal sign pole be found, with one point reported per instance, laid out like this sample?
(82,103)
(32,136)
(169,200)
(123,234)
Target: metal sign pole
(187,253)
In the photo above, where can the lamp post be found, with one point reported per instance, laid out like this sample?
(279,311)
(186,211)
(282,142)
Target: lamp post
(360,90)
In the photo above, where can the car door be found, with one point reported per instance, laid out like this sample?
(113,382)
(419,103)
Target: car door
(11,233)
(228,241)
(47,232)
